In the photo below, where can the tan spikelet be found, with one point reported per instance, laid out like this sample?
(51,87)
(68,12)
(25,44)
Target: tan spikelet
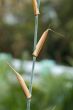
(42,40)
(35,7)
(40,43)
(21,82)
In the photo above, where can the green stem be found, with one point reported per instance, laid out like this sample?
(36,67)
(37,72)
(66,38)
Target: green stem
(34,58)
(28,104)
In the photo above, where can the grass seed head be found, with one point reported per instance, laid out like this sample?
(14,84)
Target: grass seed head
(21,82)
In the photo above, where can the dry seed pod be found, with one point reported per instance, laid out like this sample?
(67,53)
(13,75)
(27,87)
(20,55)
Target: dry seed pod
(22,83)
(40,43)
(35,7)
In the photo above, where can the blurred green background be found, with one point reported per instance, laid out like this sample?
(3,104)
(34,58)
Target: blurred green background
(51,91)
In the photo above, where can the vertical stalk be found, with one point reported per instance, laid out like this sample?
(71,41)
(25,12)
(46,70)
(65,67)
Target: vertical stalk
(34,58)
(35,42)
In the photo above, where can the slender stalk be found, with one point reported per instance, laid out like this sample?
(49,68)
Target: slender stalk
(35,42)
(28,104)
(34,58)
